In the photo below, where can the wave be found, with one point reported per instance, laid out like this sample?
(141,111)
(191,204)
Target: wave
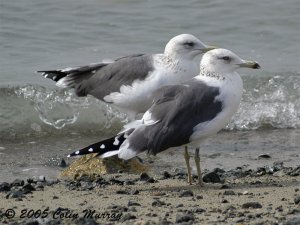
(269,102)
(34,110)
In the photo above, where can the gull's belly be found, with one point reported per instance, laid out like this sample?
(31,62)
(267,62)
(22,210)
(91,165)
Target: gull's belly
(231,103)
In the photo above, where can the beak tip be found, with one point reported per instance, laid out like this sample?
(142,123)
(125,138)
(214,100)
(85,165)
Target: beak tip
(256,66)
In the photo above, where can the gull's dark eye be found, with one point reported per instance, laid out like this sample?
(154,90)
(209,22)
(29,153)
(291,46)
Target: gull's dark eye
(189,44)
(226,58)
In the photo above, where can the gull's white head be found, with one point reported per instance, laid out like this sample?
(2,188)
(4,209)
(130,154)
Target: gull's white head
(186,46)
(223,61)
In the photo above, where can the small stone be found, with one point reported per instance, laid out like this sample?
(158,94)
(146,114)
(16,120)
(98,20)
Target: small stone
(229,208)
(55,197)
(280,173)
(186,193)
(199,197)
(158,202)
(128,182)
(212,177)
(297,200)
(253,205)
(133,203)
(128,216)
(15,194)
(151,180)
(225,186)
(144,177)
(39,185)
(17,182)
(224,201)
(278,166)
(199,210)
(180,218)
(135,192)
(4,187)
(229,192)
(240,220)
(179,205)
(166,175)
(32,223)
(42,178)
(264,156)
(122,192)
(28,188)
(62,163)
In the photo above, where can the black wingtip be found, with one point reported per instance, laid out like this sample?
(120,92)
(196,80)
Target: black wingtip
(54,75)
(102,147)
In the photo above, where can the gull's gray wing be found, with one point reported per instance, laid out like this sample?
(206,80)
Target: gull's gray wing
(101,79)
(176,111)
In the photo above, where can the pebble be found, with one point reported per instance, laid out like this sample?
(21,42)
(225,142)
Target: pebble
(28,188)
(295,172)
(135,192)
(15,194)
(166,175)
(253,205)
(62,163)
(224,201)
(186,193)
(158,203)
(297,200)
(264,156)
(128,216)
(212,177)
(133,203)
(199,210)
(225,186)
(33,223)
(229,192)
(122,192)
(180,218)
(42,178)
(17,182)
(179,205)
(199,197)
(4,186)
(144,177)
(240,220)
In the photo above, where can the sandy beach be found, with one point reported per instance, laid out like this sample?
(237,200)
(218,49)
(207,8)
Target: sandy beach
(266,195)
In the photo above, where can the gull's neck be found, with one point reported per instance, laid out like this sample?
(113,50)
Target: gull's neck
(207,73)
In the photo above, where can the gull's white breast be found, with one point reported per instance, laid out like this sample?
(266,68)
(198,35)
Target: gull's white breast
(231,90)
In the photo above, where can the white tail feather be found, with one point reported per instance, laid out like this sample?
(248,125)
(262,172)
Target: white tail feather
(109,154)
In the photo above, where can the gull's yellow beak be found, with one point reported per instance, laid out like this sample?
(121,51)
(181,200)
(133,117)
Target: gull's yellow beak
(208,48)
(250,64)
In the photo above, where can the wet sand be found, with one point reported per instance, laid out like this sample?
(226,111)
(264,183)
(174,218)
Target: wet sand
(36,156)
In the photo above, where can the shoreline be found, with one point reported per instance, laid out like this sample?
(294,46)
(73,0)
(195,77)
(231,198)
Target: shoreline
(34,157)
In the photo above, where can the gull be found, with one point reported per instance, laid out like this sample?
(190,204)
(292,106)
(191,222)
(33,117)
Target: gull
(128,82)
(182,114)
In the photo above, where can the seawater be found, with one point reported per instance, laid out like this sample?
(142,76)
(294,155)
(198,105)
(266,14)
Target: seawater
(40,35)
